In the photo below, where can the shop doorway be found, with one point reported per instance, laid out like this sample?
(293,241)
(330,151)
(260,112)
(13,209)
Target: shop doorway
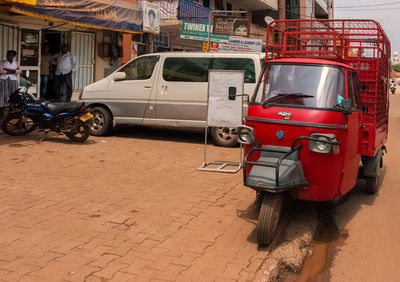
(53,39)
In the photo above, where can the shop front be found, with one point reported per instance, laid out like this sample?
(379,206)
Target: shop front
(28,27)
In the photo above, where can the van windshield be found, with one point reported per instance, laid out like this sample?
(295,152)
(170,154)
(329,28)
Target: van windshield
(310,86)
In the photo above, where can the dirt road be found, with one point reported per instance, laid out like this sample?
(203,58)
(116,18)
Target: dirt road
(371,249)
(131,207)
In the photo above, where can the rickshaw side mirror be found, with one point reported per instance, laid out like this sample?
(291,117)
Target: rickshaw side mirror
(232,93)
(347,105)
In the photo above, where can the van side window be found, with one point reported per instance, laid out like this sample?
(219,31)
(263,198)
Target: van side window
(186,69)
(141,68)
(237,64)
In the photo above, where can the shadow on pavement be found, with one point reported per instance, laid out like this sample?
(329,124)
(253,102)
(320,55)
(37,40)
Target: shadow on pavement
(162,134)
(35,137)
(294,211)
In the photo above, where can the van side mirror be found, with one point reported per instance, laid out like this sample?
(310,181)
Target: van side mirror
(119,76)
(347,105)
(232,93)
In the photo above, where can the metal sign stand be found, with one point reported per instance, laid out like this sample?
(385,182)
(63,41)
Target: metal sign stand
(222,166)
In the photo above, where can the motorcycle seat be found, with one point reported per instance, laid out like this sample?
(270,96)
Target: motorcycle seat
(40,102)
(58,108)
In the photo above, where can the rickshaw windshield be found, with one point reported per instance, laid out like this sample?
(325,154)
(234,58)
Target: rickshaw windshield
(309,86)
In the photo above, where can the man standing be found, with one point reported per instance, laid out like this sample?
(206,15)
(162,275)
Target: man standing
(66,63)
(45,71)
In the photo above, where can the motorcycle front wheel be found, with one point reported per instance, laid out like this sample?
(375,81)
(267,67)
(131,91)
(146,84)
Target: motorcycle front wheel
(79,131)
(17,124)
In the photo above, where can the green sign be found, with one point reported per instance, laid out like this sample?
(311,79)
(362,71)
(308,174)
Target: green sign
(199,31)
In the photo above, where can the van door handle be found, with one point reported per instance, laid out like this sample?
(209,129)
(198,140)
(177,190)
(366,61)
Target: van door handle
(147,86)
(164,89)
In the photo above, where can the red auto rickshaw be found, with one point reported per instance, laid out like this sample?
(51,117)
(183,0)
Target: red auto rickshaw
(318,118)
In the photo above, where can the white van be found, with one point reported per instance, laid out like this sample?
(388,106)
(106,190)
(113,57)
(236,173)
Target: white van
(166,90)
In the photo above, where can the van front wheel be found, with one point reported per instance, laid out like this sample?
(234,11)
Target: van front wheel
(101,123)
(223,136)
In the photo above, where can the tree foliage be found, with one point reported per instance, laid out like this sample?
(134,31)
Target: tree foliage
(396,67)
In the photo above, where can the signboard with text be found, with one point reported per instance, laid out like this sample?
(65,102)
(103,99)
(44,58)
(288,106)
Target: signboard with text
(161,40)
(231,26)
(199,31)
(213,47)
(134,48)
(151,17)
(241,44)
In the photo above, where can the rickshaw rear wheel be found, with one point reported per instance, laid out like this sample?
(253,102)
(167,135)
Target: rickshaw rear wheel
(268,217)
(373,182)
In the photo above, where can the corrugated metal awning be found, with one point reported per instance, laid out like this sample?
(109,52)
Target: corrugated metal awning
(113,14)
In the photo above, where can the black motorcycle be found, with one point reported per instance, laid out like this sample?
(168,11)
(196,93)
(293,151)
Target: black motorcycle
(25,114)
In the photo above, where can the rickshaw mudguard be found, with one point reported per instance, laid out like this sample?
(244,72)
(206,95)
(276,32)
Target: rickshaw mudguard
(276,170)
(371,164)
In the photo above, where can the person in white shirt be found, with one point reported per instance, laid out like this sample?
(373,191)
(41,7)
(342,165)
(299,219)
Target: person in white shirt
(9,72)
(66,63)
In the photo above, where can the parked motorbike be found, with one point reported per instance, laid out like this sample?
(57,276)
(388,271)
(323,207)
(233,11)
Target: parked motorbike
(25,114)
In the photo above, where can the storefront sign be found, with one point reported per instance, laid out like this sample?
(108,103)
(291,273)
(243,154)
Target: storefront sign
(231,26)
(134,49)
(199,31)
(151,17)
(213,47)
(161,40)
(115,15)
(240,44)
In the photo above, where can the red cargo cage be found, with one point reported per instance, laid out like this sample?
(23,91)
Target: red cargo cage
(361,44)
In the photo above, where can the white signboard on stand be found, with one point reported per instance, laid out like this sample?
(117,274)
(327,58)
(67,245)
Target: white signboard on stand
(223,111)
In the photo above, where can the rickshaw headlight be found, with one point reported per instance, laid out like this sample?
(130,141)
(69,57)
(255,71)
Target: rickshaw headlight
(245,134)
(323,147)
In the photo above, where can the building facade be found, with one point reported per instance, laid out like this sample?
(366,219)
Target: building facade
(175,13)
(105,37)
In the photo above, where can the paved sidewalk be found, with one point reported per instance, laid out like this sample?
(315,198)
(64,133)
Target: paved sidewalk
(125,208)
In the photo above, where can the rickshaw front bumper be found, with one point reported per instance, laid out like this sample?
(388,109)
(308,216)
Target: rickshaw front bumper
(276,170)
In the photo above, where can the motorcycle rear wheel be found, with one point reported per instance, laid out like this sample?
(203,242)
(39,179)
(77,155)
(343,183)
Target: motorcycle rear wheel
(17,124)
(79,133)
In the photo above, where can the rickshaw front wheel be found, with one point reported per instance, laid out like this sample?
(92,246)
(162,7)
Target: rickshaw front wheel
(268,217)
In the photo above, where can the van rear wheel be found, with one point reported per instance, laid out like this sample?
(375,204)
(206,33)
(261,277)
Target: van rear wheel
(223,136)
(101,123)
